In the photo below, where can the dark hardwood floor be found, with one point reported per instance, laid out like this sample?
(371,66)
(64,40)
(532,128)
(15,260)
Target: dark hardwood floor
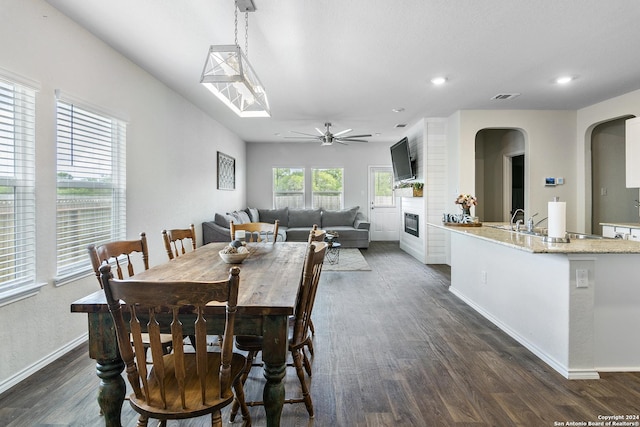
(393,348)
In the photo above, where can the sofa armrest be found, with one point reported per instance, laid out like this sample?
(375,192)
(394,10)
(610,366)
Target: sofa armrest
(361,223)
(212,232)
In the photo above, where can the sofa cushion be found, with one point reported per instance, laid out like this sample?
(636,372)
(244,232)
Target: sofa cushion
(223,220)
(344,217)
(253,214)
(240,217)
(270,216)
(304,217)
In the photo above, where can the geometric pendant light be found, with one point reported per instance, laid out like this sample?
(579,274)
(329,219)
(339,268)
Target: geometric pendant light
(229,76)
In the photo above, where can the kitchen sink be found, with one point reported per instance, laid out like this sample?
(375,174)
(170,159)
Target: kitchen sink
(542,232)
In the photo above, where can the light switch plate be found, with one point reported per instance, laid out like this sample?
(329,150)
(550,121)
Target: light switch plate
(582,278)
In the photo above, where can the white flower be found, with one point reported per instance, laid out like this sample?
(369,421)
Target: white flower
(466,200)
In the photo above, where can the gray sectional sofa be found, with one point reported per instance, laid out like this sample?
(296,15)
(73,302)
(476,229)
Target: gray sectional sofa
(294,224)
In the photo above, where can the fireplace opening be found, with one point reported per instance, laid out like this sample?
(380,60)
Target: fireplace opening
(411,224)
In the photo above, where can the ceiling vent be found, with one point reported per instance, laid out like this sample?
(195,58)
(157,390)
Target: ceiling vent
(400,125)
(505,96)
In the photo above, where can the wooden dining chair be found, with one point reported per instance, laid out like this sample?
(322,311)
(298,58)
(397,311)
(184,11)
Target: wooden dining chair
(120,253)
(174,240)
(317,235)
(254,231)
(178,385)
(299,334)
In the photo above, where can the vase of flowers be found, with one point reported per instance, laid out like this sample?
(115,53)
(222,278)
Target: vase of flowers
(466,201)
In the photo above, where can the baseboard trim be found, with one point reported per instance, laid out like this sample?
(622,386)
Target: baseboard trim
(35,367)
(570,374)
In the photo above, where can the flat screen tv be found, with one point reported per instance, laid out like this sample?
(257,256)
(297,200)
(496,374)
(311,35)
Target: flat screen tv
(401,160)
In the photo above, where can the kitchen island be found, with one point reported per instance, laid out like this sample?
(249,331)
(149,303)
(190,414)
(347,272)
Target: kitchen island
(575,305)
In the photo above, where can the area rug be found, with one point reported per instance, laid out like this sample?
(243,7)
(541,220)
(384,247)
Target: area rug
(348,260)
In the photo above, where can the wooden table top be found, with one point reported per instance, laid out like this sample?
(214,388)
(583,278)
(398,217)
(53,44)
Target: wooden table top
(269,277)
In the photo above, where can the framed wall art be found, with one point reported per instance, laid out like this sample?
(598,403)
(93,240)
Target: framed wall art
(226,172)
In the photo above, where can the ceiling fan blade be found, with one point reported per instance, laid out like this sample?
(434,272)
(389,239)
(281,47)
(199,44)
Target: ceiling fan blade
(320,132)
(302,133)
(310,138)
(357,136)
(340,140)
(342,132)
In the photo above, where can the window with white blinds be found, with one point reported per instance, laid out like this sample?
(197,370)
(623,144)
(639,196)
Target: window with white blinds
(17,187)
(91,184)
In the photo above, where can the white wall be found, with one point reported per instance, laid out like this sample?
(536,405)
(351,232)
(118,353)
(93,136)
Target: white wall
(171,165)
(355,158)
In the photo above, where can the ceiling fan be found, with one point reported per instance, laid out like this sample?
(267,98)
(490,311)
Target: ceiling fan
(328,138)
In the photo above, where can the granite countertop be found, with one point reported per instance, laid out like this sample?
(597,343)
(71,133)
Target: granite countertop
(535,244)
(622,224)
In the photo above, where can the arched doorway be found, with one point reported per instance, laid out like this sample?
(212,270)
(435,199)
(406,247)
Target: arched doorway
(611,200)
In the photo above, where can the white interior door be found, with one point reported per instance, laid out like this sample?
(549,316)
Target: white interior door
(384,214)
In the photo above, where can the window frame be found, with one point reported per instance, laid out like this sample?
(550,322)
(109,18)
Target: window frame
(314,192)
(71,260)
(17,144)
(288,193)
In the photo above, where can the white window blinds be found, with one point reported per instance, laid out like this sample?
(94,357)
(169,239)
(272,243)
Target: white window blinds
(17,187)
(91,182)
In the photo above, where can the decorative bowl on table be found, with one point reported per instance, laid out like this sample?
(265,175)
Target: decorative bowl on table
(232,255)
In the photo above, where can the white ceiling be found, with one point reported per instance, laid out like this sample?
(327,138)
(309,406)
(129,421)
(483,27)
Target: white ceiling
(351,62)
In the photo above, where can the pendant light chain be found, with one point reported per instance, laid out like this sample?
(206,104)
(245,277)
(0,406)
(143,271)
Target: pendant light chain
(235,24)
(246,34)
(246,30)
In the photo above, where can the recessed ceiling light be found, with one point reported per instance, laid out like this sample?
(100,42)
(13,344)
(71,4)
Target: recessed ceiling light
(398,110)
(564,80)
(438,80)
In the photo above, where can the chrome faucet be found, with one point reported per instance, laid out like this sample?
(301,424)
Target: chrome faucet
(516,226)
(530,225)
(541,221)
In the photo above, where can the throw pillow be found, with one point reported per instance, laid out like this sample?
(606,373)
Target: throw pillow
(241,217)
(304,217)
(223,220)
(334,218)
(253,214)
(270,216)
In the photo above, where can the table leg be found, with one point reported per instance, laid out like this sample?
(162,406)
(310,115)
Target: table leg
(274,355)
(103,348)
(111,391)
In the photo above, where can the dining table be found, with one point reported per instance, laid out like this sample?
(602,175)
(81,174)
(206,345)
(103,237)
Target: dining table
(269,280)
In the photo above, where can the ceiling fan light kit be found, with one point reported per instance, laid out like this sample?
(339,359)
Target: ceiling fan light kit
(229,76)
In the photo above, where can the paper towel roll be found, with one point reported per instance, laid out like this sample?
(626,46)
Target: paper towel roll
(557,213)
